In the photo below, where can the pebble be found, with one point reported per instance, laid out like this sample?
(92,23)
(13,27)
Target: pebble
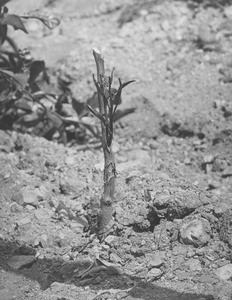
(24,221)
(70,160)
(195,232)
(109,239)
(220,209)
(193,264)
(227,172)
(15,207)
(133,174)
(190,253)
(99,166)
(154,274)
(44,240)
(43,214)
(115,258)
(19,261)
(208,158)
(225,272)
(179,250)
(153,145)
(31,197)
(154,260)
(18,198)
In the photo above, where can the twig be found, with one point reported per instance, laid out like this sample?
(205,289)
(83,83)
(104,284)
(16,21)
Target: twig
(164,223)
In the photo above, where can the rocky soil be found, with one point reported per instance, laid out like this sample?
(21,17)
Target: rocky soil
(172,234)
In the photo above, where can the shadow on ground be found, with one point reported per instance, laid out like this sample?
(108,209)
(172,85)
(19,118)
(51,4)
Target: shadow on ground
(46,271)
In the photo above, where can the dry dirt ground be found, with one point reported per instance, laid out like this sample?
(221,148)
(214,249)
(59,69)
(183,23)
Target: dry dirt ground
(172,237)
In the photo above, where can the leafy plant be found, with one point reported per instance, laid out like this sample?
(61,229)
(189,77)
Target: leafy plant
(20,76)
(26,101)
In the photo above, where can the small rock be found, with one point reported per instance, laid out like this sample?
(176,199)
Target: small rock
(50,162)
(36,243)
(220,209)
(31,197)
(154,260)
(179,250)
(43,214)
(115,258)
(71,185)
(99,166)
(15,207)
(23,221)
(154,274)
(109,239)
(43,191)
(19,261)
(61,240)
(63,212)
(225,272)
(219,103)
(206,38)
(190,253)
(213,184)
(200,251)
(133,174)
(227,172)
(193,264)
(44,240)
(195,232)
(153,145)
(18,198)
(208,158)
(70,160)
(6,143)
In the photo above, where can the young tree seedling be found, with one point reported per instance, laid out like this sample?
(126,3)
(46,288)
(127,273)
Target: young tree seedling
(108,101)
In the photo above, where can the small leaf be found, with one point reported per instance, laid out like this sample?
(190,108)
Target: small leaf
(30,120)
(13,62)
(71,120)
(21,79)
(3,2)
(23,104)
(48,19)
(97,114)
(126,83)
(14,21)
(111,78)
(5,10)
(3,33)
(36,68)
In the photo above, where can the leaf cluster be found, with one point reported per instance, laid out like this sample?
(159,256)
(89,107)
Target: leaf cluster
(26,101)
(111,100)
